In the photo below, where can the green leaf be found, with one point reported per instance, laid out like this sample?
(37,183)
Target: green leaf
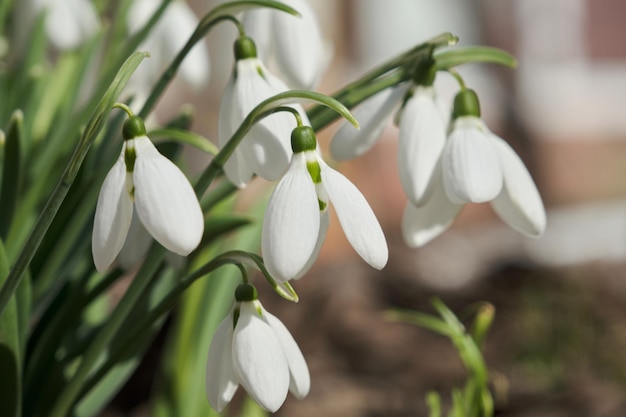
(184,136)
(11,173)
(10,356)
(425,320)
(458,56)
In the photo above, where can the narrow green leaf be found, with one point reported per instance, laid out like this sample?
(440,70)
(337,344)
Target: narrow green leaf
(11,173)
(433,401)
(92,130)
(10,356)
(458,56)
(184,136)
(424,320)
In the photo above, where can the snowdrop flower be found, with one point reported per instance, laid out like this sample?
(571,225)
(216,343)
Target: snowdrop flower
(163,198)
(68,23)
(475,166)
(296,218)
(265,151)
(164,41)
(253,348)
(295,42)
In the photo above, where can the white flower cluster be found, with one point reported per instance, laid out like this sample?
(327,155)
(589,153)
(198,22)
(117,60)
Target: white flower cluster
(444,165)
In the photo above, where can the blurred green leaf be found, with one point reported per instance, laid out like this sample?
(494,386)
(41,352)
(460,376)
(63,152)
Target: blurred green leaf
(454,57)
(11,173)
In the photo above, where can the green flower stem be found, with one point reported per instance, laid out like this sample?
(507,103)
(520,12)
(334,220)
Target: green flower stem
(102,339)
(217,15)
(92,130)
(264,109)
(403,60)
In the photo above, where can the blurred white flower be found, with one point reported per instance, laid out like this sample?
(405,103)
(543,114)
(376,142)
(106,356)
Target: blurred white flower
(475,166)
(164,42)
(68,23)
(265,151)
(295,42)
(163,198)
(253,348)
(296,218)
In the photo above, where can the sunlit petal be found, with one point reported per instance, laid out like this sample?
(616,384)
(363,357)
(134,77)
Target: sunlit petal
(356,217)
(422,138)
(165,201)
(268,141)
(519,203)
(236,169)
(299,377)
(221,381)
(472,171)
(373,115)
(114,212)
(292,223)
(259,360)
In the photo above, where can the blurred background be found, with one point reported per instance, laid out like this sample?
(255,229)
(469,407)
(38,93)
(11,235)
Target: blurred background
(558,343)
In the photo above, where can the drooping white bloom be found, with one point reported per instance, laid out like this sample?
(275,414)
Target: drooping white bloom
(265,151)
(164,41)
(295,221)
(161,194)
(472,171)
(422,137)
(68,23)
(253,348)
(295,42)
(475,166)
(348,142)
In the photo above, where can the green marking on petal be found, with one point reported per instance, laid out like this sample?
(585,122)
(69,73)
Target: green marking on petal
(323,205)
(314,171)
(259,70)
(129,158)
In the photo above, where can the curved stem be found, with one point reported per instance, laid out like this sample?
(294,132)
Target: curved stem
(264,109)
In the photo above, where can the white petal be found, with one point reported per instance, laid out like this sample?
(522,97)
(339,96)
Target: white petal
(299,48)
(259,359)
(177,25)
(165,201)
(221,381)
(321,237)
(472,171)
(519,203)
(291,224)
(268,142)
(236,169)
(356,217)
(422,138)
(373,115)
(422,224)
(299,377)
(136,245)
(69,23)
(114,212)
